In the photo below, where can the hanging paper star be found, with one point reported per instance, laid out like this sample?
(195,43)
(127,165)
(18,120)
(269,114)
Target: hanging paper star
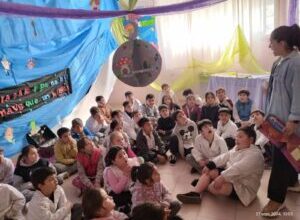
(6,65)
(9,135)
(30,63)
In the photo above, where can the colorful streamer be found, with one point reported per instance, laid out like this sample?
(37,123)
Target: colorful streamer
(37,11)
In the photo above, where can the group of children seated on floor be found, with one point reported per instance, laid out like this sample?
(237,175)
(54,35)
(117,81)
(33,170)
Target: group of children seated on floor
(115,152)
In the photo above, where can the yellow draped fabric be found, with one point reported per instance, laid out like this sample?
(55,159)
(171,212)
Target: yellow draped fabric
(198,70)
(119,31)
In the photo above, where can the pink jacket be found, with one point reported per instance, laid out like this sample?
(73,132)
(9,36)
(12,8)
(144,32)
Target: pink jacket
(115,180)
(157,193)
(90,163)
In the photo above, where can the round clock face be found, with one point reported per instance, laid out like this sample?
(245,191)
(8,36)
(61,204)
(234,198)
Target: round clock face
(137,63)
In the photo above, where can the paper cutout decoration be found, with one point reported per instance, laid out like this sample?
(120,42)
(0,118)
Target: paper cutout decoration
(131,29)
(30,63)
(9,135)
(6,65)
(137,63)
(95,4)
(33,127)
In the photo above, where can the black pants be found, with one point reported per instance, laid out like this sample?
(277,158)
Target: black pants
(122,200)
(282,176)
(76,212)
(174,147)
(230,142)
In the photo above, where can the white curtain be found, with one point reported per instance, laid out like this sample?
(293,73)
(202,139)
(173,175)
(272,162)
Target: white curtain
(203,34)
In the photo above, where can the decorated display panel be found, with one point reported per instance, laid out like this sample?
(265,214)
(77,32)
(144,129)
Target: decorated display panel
(23,98)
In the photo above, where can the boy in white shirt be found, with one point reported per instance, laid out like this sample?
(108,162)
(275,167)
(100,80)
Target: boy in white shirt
(49,200)
(12,203)
(236,173)
(96,123)
(7,169)
(136,104)
(128,120)
(208,144)
(261,140)
(226,128)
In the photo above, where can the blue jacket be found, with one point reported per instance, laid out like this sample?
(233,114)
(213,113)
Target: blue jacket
(244,109)
(284,89)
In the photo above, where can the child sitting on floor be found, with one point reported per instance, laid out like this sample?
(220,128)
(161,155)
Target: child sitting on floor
(165,124)
(89,165)
(117,139)
(7,169)
(166,90)
(168,101)
(49,200)
(65,152)
(128,121)
(183,137)
(27,161)
(96,124)
(150,110)
(148,188)
(224,101)
(12,203)
(262,141)
(192,110)
(242,108)
(211,109)
(105,110)
(79,131)
(117,179)
(236,174)
(226,128)
(208,144)
(102,207)
(148,143)
(136,104)
(150,211)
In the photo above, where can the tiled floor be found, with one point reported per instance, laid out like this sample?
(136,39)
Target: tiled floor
(177,178)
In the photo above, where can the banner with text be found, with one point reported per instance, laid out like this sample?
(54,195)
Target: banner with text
(18,100)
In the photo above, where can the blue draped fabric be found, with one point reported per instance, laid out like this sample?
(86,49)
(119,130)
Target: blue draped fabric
(53,44)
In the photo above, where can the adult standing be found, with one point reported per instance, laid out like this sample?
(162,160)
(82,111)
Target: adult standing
(283,101)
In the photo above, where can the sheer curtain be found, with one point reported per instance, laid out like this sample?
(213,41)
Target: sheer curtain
(203,34)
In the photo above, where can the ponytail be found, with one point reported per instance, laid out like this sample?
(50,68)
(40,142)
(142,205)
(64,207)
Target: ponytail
(295,36)
(288,34)
(142,173)
(134,173)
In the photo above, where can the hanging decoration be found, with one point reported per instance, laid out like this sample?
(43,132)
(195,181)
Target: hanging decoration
(38,11)
(95,4)
(136,62)
(127,4)
(17,100)
(197,70)
(30,63)
(9,135)
(33,127)
(6,65)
